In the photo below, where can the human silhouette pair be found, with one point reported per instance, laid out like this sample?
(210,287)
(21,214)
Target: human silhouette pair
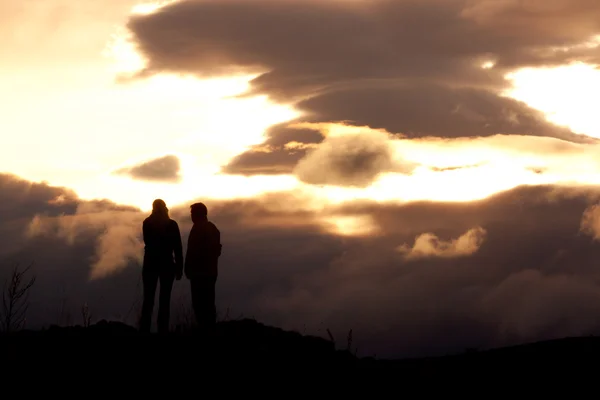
(164,263)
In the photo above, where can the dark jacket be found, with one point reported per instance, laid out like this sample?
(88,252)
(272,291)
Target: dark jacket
(162,241)
(203,250)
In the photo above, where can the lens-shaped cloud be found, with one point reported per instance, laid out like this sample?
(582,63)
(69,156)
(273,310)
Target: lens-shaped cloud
(165,169)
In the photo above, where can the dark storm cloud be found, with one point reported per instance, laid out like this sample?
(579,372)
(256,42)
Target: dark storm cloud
(62,254)
(418,110)
(160,169)
(410,67)
(533,275)
(20,200)
(306,46)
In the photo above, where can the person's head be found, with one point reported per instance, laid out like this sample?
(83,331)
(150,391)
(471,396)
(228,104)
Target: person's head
(199,212)
(159,207)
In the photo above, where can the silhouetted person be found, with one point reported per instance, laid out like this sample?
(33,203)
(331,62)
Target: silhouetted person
(163,262)
(201,266)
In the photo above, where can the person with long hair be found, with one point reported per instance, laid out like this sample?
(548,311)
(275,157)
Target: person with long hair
(163,263)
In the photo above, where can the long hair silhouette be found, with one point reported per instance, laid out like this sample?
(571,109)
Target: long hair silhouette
(159,209)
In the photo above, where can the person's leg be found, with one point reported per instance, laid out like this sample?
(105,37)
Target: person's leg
(211,301)
(207,315)
(167,277)
(149,280)
(196,292)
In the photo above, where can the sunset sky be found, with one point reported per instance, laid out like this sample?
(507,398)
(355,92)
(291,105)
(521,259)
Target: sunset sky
(74,119)
(437,133)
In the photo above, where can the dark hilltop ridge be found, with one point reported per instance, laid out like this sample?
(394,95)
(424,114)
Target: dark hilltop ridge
(248,341)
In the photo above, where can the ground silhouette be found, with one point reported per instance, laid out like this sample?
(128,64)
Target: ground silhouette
(247,341)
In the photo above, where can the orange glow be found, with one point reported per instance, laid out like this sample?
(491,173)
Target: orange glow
(351,225)
(568,94)
(150,8)
(85,125)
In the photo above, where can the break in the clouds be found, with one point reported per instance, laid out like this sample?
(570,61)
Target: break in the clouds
(419,68)
(166,169)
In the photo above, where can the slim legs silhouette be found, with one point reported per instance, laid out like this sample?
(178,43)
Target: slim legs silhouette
(203,302)
(151,278)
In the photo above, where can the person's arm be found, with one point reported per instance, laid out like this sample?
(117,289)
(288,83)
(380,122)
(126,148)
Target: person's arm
(217,243)
(177,249)
(190,254)
(144,232)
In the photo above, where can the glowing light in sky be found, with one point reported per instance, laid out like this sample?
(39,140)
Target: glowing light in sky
(488,65)
(150,8)
(355,225)
(120,49)
(569,95)
(78,104)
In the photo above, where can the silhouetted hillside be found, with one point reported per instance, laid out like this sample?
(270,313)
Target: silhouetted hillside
(562,356)
(247,341)
(234,341)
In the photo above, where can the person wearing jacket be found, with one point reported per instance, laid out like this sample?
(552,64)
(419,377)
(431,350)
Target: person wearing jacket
(201,266)
(163,262)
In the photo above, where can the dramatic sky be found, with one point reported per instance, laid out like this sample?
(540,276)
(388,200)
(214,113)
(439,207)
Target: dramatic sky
(424,172)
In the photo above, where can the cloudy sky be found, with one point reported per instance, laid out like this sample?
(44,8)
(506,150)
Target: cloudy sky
(424,172)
